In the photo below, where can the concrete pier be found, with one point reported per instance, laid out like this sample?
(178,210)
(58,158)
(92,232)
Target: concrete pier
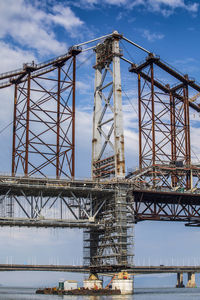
(180,281)
(191,280)
(123,283)
(92,282)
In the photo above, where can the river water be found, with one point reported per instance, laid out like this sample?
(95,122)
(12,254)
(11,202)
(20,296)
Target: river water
(11,293)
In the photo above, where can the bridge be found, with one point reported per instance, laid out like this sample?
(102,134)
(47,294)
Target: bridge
(164,187)
(109,271)
(136,270)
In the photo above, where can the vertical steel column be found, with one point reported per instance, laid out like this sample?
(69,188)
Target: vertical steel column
(190,179)
(187,135)
(96,140)
(173,128)
(14,131)
(118,115)
(188,125)
(58,127)
(139,121)
(27,123)
(173,135)
(153,116)
(73,116)
(185,125)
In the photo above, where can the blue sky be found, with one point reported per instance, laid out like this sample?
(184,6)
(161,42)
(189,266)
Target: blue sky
(39,30)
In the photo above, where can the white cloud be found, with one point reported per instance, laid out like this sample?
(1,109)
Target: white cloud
(13,57)
(83,87)
(165,7)
(65,17)
(32,27)
(89,2)
(174,4)
(116,2)
(152,36)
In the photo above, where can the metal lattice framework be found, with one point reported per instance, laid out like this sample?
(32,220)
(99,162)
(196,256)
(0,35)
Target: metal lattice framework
(164,126)
(44,119)
(164,206)
(26,201)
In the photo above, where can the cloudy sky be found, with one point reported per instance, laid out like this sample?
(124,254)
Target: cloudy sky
(40,30)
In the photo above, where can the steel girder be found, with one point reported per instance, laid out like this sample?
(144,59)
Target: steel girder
(163,206)
(51,203)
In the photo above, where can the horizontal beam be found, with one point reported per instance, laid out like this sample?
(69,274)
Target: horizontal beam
(46,223)
(163,269)
(44,268)
(82,269)
(53,187)
(167,197)
(17,75)
(162,87)
(94,40)
(136,45)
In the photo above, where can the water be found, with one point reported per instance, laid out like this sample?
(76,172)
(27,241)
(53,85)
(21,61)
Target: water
(12,293)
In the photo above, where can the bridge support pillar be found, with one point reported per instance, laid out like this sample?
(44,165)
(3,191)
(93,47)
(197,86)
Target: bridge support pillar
(124,283)
(191,280)
(92,282)
(180,281)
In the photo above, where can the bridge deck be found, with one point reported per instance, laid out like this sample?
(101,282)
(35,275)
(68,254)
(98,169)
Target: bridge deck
(82,269)
(142,204)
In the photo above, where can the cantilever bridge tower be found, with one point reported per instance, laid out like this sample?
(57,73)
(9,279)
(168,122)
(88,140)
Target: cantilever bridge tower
(108,134)
(112,245)
(166,185)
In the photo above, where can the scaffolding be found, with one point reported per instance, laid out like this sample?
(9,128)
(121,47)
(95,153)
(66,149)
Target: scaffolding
(112,246)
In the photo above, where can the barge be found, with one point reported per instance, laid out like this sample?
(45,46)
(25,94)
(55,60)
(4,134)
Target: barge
(80,291)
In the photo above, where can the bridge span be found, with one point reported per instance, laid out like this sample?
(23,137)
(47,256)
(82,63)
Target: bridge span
(136,270)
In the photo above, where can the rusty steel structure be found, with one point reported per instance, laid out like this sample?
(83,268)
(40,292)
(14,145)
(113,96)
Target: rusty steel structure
(166,185)
(44,117)
(164,126)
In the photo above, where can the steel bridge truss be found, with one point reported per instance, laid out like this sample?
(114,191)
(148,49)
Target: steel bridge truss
(44,118)
(163,206)
(50,203)
(100,208)
(164,127)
